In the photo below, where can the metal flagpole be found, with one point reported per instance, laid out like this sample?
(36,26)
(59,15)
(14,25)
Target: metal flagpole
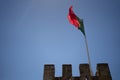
(91,72)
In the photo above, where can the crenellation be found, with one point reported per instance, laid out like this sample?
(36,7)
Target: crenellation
(102,72)
(84,72)
(49,72)
(67,71)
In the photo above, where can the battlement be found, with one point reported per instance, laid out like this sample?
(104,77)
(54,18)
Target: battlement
(102,73)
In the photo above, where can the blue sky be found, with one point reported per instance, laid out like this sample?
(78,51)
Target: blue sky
(37,32)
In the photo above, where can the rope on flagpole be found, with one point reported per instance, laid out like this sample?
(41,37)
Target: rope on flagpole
(89,62)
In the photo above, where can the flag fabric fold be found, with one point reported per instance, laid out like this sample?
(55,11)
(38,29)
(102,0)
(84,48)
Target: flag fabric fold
(76,21)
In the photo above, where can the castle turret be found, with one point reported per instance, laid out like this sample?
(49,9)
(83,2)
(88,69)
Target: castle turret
(102,73)
(85,72)
(67,71)
(49,72)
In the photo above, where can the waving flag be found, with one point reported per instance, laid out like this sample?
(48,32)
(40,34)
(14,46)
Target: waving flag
(76,21)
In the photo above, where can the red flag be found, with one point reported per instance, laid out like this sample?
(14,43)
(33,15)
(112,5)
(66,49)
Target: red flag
(73,19)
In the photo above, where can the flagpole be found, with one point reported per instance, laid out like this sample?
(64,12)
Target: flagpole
(89,62)
(73,19)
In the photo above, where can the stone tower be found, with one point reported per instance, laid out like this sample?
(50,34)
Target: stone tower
(102,73)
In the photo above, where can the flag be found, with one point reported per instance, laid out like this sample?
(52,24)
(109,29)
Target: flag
(76,21)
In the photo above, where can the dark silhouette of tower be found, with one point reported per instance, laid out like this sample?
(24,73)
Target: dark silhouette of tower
(102,73)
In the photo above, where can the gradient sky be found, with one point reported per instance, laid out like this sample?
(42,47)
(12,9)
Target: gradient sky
(37,32)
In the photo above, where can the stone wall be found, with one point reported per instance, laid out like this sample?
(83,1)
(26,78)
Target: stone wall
(102,72)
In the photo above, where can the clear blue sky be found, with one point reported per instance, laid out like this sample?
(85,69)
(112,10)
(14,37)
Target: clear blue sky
(37,32)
